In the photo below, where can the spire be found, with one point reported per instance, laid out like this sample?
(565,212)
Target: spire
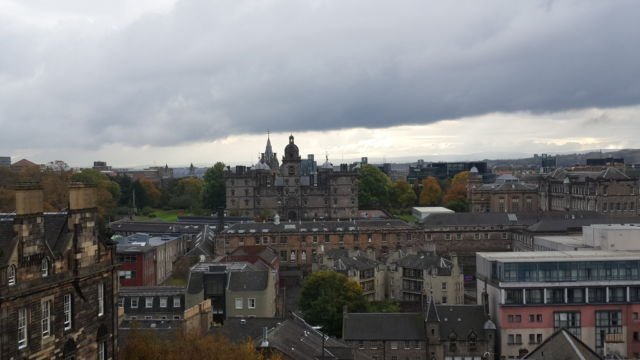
(432,311)
(268,152)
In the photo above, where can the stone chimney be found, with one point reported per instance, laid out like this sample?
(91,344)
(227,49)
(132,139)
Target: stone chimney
(29,199)
(82,196)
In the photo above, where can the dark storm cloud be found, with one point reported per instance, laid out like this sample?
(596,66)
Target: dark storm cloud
(206,69)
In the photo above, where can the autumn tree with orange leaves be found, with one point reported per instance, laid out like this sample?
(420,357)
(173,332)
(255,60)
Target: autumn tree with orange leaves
(145,345)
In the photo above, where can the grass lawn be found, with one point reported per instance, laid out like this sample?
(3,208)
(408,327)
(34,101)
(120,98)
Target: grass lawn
(407,217)
(164,215)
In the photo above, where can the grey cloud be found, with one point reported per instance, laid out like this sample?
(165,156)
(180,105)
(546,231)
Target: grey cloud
(207,69)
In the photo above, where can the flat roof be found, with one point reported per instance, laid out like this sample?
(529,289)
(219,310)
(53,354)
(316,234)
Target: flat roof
(432,209)
(616,226)
(550,256)
(575,240)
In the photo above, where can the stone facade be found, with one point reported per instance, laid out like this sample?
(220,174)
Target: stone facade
(297,189)
(439,332)
(57,281)
(413,276)
(165,309)
(299,244)
(609,191)
(506,195)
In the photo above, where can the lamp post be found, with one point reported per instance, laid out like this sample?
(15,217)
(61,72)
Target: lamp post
(318,328)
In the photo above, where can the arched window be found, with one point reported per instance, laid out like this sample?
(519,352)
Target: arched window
(45,267)
(11,275)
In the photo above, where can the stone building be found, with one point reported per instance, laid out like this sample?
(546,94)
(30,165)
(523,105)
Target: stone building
(296,189)
(57,281)
(299,244)
(506,195)
(415,275)
(367,272)
(165,309)
(439,332)
(608,191)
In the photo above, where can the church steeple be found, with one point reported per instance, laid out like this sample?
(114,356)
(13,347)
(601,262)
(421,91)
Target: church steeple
(268,152)
(269,157)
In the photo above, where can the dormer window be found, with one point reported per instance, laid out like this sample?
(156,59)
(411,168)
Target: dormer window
(11,275)
(45,268)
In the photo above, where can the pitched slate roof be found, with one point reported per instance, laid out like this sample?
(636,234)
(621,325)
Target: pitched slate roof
(7,240)
(397,326)
(462,319)
(56,234)
(248,280)
(56,231)
(151,290)
(458,319)
(298,340)
(355,262)
(468,219)
(319,226)
(563,345)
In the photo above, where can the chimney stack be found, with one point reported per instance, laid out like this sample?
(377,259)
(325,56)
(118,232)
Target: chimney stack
(82,196)
(29,199)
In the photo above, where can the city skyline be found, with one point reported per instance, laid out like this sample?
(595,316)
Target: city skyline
(139,83)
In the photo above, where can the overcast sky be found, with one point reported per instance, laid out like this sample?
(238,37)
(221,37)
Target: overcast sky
(136,82)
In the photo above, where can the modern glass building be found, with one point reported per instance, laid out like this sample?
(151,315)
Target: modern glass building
(594,294)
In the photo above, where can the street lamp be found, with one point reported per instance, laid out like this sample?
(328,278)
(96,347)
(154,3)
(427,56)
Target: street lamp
(318,328)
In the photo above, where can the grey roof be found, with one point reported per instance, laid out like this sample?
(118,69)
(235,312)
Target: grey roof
(319,226)
(563,345)
(56,231)
(459,319)
(607,174)
(397,326)
(462,319)
(151,290)
(572,221)
(422,261)
(155,227)
(432,311)
(196,284)
(56,234)
(248,280)
(471,219)
(8,240)
(355,262)
(296,339)
(509,186)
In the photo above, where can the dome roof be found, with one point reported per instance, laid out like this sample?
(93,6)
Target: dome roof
(261,166)
(474,170)
(291,151)
(327,164)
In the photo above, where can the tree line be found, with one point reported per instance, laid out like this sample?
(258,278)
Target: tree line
(116,196)
(377,191)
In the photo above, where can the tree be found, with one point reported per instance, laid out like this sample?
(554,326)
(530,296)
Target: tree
(458,189)
(402,195)
(146,345)
(431,193)
(373,188)
(152,192)
(188,194)
(456,197)
(214,194)
(108,191)
(323,296)
(55,190)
